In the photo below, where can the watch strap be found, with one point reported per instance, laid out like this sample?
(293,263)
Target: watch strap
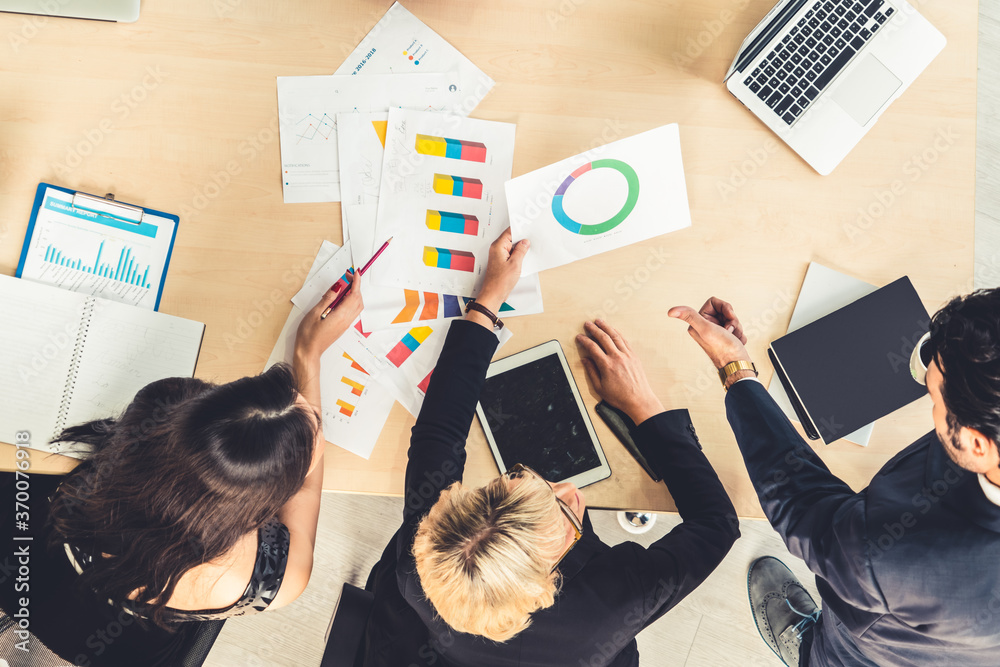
(480,308)
(735,367)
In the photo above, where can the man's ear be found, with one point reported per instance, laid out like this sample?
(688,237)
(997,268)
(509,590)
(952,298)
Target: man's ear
(983,448)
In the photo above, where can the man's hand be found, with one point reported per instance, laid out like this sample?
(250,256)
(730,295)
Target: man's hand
(716,329)
(616,373)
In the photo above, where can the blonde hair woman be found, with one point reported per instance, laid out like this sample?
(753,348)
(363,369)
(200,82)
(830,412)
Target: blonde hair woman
(512,573)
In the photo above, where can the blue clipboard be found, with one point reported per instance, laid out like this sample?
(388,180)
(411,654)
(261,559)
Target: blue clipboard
(107,212)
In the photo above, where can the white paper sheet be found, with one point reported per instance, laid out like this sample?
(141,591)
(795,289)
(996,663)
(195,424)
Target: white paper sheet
(358,431)
(628,191)
(93,249)
(401,43)
(823,291)
(360,138)
(307,112)
(403,360)
(324,278)
(441,199)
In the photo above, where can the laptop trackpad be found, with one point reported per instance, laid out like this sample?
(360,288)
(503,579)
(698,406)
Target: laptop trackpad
(866,89)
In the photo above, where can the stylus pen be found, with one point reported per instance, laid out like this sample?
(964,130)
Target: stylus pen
(340,297)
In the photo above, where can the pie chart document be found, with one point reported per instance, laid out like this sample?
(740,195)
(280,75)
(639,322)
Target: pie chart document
(607,198)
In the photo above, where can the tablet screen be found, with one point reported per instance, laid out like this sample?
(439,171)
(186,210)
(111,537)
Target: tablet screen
(535,420)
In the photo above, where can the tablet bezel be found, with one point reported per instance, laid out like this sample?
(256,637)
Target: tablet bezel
(585,478)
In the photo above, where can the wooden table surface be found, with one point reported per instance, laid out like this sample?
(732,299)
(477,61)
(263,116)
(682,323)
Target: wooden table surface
(178,112)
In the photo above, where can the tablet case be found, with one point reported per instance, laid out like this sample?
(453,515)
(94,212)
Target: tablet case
(621,425)
(853,366)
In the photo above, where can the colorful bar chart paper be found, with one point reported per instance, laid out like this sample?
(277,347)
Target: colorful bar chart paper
(345,408)
(356,387)
(456,149)
(458,186)
(412,302)
(425,382)
(452,308)
(355,365)
(404,348)
(455,223)
(443,258)
(430,309)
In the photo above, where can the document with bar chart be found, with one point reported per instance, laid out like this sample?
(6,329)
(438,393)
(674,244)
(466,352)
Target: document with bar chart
(387,307)
(108,250)
(611,196)
(442,200)
(355,405)
(307,121)
(402,360)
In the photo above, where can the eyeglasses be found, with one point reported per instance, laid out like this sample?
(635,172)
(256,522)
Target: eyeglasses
(520,471)
(921,358)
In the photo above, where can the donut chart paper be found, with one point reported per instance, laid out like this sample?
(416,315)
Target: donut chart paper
(607,198)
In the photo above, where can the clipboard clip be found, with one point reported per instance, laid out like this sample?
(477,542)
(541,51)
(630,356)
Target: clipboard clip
(107,207)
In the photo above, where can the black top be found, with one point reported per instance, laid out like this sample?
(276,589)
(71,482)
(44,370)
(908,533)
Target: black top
(608,595)
(906,567)
(265,580)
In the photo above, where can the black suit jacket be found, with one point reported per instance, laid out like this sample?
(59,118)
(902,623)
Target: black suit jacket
(608,595)
(907,567)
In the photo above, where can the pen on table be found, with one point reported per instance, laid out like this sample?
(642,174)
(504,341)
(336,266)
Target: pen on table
(340,297)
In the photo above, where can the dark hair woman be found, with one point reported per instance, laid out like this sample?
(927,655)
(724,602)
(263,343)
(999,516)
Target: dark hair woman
(201,500)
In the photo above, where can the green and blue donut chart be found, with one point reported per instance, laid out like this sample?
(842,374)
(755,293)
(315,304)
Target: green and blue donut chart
(598,228)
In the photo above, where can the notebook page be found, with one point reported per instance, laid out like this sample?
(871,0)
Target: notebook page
(38,334)
(125,349)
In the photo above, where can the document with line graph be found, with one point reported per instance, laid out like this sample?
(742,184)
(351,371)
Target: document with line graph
(307,121)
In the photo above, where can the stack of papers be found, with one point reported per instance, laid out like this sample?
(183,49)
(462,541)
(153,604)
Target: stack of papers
(389,136)
(395,145)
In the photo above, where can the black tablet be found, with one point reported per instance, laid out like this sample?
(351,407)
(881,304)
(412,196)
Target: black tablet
(533,414)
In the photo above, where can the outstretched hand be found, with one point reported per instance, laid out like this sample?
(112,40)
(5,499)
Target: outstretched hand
(616,372)
(716,329)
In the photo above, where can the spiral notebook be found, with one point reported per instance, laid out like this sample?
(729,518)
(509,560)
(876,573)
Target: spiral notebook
(68,358)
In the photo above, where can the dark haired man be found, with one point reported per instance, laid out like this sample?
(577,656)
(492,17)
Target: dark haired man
(907,567)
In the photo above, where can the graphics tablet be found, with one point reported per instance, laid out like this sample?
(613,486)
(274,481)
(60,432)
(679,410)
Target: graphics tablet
(533,414)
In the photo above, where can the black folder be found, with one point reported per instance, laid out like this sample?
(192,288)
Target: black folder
(848,369)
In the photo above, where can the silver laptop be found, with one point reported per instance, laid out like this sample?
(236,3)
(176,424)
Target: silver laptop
(820,72)
(123,11)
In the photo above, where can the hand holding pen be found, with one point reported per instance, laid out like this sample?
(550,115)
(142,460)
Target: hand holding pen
(342,286)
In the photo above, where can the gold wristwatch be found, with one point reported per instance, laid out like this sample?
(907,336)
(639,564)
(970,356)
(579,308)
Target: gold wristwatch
(735,367)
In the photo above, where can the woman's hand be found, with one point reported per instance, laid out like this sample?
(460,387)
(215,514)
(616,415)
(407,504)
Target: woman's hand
(315,334)
(503,270)
(616,373)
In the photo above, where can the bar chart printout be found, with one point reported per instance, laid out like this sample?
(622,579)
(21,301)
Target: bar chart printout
(408,345)
(455,260)
(458,186)
(95,252)
(455,223)
(456,149)
(124,269)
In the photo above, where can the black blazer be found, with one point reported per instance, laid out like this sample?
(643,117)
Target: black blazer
(906,567)
(608,595)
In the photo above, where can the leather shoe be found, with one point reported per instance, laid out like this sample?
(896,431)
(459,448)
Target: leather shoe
(782,609)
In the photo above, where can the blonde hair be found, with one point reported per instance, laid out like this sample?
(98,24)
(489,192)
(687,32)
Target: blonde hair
(484,556)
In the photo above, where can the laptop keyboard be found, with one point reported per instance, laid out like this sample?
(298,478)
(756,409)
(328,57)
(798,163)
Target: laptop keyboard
(807,59)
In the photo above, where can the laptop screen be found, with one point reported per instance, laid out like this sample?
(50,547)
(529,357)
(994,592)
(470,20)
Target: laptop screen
(760,38)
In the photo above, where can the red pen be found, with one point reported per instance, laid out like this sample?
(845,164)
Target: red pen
(346,286)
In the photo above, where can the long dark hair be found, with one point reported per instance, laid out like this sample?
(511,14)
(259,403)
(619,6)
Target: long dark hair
(187,470)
